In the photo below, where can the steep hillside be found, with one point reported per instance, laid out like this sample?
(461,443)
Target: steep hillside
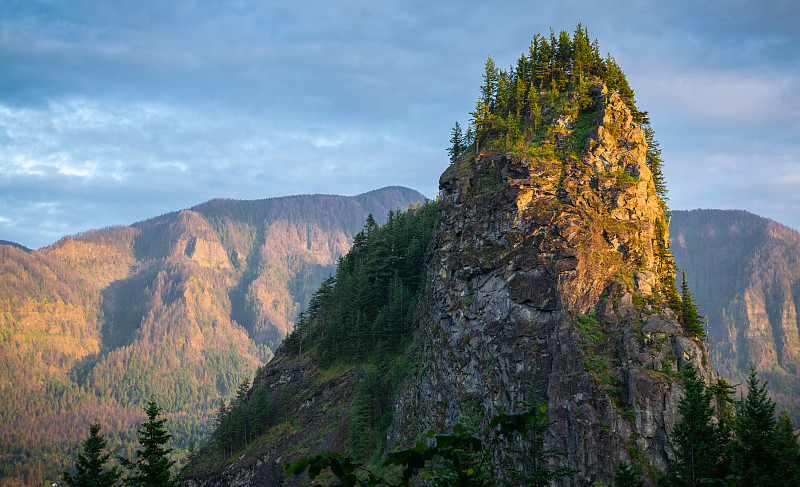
(548,279)
(745,270)
(181,308)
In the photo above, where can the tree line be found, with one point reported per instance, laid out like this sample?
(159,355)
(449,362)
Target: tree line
(360,316)
(366,309)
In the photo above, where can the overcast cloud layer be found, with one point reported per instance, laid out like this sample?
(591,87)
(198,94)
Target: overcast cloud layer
(113,112)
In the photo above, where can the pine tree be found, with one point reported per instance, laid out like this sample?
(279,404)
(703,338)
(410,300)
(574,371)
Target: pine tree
(628,475)
(490,80)
(191,454)
(152,465)
(582,51)
(692,322)
(787,450)
(90,469)
(694,435)
(754,459)
(456,143)
(666,265)
(241,424)
(655,163)
(723,392)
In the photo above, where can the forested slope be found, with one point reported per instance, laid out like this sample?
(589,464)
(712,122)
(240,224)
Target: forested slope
(180,308)
(745,271)
(334,378)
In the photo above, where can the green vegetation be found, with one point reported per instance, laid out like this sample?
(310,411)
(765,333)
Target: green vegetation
(180,308)
(152,467)
(459,458)
(719,440)
(628,475)
(690,317)
(91,469)
(601,358)
(366,310)
(517,108)
(665,266)
(358,321)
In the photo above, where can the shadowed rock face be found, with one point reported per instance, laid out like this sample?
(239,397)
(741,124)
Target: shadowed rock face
(525,246)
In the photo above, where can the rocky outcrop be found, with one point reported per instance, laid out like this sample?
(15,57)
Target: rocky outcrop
(540,287)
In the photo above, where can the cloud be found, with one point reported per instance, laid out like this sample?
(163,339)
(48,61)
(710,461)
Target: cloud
(113,112)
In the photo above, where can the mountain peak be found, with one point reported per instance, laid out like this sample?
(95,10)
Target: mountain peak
(545,270)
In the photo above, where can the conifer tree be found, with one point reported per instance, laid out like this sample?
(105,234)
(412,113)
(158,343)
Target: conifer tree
(694,435)
(456,143)
(655,163)
(152,467)
(666,266)
(90,469)
(787,451)
(692,321)
(582,51)
(754,458)
(490,80)
(628,475)
(469,137)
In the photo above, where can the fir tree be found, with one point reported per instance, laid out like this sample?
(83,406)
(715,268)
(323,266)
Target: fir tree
(469,138)
(628,475)
(692,321)
(694,435)
(655,163)
(754,458)
(152,465)
(457,145)
(90,469)
(666,265)
(491,77)
(787,451)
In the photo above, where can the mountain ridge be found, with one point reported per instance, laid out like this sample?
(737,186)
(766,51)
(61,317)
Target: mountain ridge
(745,271)
(181,307)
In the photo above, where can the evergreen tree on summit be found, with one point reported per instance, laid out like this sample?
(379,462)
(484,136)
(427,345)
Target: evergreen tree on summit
(457,145)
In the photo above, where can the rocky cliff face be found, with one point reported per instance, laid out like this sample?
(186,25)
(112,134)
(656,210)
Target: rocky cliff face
(745,272)
(543,272)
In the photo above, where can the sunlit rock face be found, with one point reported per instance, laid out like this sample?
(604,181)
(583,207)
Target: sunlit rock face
(526,245)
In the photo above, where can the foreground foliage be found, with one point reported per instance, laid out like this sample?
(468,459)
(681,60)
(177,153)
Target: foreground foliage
(151,468)
(465,457)
(91,469)
(719,440)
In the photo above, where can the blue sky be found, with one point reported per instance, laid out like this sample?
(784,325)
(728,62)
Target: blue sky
(114,112)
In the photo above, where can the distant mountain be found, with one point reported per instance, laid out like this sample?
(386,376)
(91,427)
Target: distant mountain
(744,271)
(15,244)
(181,308)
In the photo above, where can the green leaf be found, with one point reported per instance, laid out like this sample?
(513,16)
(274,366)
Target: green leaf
(296,468)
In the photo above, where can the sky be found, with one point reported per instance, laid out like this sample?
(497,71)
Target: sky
(112,112)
